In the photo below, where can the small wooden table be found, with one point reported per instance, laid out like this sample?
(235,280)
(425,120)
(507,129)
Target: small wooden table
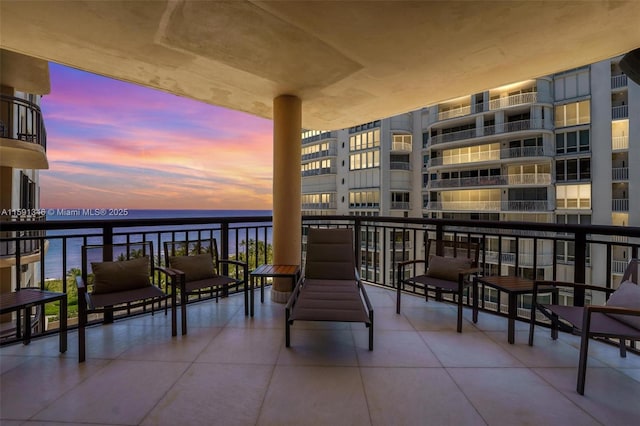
(273,271)
(27,298)
(513,287)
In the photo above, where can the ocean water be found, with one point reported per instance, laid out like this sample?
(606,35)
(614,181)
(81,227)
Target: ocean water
(53,264)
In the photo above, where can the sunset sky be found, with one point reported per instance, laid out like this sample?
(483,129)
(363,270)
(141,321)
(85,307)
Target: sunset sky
(112,144)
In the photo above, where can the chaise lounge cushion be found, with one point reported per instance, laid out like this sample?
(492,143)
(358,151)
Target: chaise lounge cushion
(119,276)
(626,296)
(195,267)
(447,268)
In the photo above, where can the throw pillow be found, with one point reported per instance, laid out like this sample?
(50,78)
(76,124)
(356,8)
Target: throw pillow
(121,275)
(626,296)
(195,267)
(447,268)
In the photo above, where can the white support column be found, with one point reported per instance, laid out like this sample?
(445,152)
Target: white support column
(287,214)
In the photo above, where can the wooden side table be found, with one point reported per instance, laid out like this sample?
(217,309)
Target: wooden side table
(27,298)
(513,287)
(273,271)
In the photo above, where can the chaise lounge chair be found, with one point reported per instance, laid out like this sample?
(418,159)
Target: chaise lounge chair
(330,288)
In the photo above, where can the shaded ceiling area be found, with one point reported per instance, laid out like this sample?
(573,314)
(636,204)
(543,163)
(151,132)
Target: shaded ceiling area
(349,62)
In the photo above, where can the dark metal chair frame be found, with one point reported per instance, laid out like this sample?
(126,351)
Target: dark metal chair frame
(108,303)
(586,321)
(470,250)
(209,286)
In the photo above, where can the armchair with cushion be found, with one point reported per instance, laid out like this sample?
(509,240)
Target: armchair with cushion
(618,319)
(200,273)
(449,265)
(119,277)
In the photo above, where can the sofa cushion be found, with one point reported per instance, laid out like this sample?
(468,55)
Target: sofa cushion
(626,296)
(122,275)
(447,268)
(195,267)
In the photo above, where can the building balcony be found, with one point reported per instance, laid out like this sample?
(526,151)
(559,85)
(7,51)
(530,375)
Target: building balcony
(511,180)
(23,138)
(318,172)
(620,205)
(620,174)
(514,126)
(233,369)
(400,205)
(619,143)
(619,112)
(397,146)
(618,81)
(495,104)
(400,165)
(332,152)
(489,156)
(21,247)
(492,206)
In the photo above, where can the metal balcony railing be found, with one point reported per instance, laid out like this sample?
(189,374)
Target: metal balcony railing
(331,152)
(400,205)
(619,142)
(618,81)
(620,173)
(506,102)
(492,206)
(514,126)
(531,246)
(321,171)
(22,120)
(20,243)
(620,111)
(522,179)
(620,205)
(400,165)
(401,146)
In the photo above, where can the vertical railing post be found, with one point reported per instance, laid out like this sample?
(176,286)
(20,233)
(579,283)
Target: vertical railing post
(107,256)
(224,245)
(580,265)
(357,225)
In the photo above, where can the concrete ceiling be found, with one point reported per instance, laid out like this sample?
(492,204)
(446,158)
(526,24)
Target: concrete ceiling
(349,62)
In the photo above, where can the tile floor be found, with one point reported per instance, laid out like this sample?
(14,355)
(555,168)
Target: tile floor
(233,370)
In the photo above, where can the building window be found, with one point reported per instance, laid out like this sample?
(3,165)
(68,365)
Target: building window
(572,142)
(365,140)
(573,196)
(319,167)
(573,114)
(27,192)
(400,200)
(325,200)
(573,170)
(364,160)
(364,199)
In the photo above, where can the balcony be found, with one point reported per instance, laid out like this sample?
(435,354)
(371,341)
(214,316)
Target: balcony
(331,152)
(514,126)
(321,171)
(619,142)
(492,206)
(618,81)
(501,103)
(521,179)
(21,247)
(400,165)
(619,112)
(620,205)
(401,146)
(620,173)
(232,369)
(22,145)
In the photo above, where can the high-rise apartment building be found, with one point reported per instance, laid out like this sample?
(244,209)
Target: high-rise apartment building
(536,150)
(22,154)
